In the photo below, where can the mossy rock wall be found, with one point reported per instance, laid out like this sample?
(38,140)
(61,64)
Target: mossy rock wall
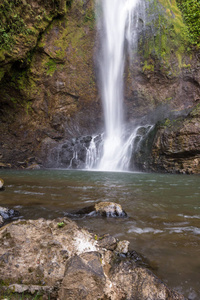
(165,70)
(48,87)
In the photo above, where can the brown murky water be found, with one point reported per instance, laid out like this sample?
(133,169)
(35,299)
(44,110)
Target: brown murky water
(163,210)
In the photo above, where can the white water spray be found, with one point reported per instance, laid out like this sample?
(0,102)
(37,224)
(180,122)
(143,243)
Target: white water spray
(116,29)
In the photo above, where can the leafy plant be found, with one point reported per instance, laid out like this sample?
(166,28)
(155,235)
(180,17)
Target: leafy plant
(61,224)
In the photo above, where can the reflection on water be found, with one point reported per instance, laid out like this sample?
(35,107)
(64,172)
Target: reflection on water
(163,210)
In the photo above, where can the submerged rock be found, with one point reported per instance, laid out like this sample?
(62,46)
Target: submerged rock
(104,209)
(63,261)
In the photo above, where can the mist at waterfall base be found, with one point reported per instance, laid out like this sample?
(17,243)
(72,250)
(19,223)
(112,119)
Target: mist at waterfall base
(163,213)
(117,25)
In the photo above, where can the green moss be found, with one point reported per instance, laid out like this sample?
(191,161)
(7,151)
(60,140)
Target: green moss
(90,18)
(196,111)
(167,123)
(51,66)
(147,67)
(2,72)
(191,15)
(28,107)
(21,22)
(166,37)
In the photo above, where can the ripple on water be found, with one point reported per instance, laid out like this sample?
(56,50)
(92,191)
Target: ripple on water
(190,229)
(139,230)
(189,217)
(27,192)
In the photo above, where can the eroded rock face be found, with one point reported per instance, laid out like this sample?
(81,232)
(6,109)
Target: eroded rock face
(172,146)
(65,154)
(64,261)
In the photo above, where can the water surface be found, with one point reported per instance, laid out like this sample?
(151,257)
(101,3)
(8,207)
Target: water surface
(163,210)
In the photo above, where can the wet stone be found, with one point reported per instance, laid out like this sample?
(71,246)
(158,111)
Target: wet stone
(108,242)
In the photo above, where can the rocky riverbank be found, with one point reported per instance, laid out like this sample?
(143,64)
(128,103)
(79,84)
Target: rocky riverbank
(62,261)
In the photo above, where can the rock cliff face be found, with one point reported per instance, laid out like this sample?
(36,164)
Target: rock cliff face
(48,88)
(163,89)
(171,146)
(49,102)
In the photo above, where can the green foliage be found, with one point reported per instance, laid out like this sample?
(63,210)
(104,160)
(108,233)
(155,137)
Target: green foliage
(147,66)
(191,15)
(61,224)
(11,24)
(28,107)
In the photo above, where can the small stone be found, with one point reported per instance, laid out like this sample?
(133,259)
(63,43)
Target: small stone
(122,247)
(108,242)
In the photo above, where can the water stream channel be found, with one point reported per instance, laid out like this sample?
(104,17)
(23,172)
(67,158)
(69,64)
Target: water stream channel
(163,210)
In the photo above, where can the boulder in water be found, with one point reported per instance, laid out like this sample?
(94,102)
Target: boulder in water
(1,184)
(104,209)
(110,209)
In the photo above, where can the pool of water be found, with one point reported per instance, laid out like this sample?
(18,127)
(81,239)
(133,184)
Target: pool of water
(164,213)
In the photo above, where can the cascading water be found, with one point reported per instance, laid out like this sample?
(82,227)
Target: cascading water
(115,22)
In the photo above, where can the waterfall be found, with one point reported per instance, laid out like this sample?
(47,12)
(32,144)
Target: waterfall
(116,28)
